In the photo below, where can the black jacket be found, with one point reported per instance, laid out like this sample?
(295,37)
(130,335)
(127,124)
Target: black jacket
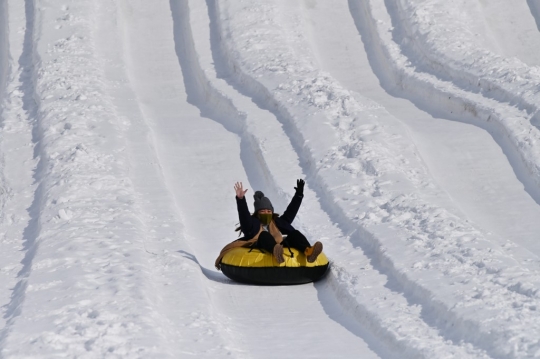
(251,225)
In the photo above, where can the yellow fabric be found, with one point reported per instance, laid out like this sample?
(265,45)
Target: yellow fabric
(229,247)
(242,257)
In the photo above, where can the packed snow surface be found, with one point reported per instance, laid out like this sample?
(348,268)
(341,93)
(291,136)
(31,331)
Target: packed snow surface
(126,123)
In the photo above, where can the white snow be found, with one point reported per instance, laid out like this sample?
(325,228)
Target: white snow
(126,123)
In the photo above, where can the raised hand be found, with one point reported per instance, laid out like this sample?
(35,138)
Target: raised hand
(240,192)
(300,187)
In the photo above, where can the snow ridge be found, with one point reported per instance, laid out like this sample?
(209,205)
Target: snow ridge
(189,319)
(19,123)
(119,147)
(410,342)
(510,126)
(4,45)
(288,83)
(463,59)
(394,342)
(535,11)
(81,191)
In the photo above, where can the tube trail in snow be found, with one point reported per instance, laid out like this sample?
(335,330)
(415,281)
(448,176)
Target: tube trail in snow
(491,93)
(335,58)
(219,59)
(23,101)
(445,106)
(115,169)
(199,85)
(535,11)
(446,319)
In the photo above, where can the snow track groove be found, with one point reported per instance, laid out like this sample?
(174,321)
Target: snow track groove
(82,191)
(509,126)
(277,86)
(483,86)
(125,123)
(184,305)
(443,99)
(19,155)
(439,99)
(256,143)
(4,46)
(366,308)
(535,11)
(341,58)
(181,135)
(507,80)
(468,166)
(416,94)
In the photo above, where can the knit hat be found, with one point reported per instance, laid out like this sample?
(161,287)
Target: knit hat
(261,202)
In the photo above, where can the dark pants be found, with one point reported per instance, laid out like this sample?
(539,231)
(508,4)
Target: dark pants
(296,240)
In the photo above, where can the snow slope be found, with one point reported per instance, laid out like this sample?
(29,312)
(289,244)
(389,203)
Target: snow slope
(125,124)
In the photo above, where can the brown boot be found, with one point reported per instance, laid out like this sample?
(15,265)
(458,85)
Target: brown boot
(313,252)
(278,253)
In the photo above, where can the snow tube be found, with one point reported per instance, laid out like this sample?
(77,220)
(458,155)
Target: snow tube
(253,266)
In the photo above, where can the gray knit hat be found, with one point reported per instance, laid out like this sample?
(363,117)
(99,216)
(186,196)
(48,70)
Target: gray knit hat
(261,202)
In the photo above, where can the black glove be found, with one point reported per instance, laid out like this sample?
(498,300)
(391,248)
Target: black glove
(300,187)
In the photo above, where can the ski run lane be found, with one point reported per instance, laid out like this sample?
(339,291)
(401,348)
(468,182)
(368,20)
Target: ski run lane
(17,156)
(83,269)
(463,159)
(120,145)
(292,86)
(182,133)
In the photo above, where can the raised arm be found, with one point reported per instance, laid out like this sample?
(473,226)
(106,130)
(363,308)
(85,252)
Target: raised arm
(247,223)
(294,206)
(239,189)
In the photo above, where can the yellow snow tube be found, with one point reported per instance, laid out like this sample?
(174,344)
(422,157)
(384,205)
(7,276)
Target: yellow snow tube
(256,267)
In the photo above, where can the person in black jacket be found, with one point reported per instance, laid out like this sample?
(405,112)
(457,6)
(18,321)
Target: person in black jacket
(269,227)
